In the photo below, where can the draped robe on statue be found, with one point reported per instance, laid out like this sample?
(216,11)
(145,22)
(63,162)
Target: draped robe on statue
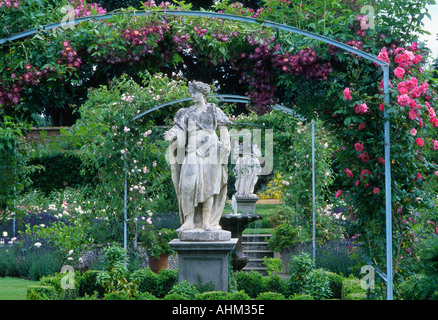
(199,166)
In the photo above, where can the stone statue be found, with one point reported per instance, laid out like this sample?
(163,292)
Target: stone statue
(247,167)
(199,171)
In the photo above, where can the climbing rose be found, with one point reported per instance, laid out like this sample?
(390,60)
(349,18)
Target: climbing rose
(338,193)
(349,173)
(361,126)
(347,94)
(435,144)
(403,100)
(364,157)
(361,109)
(358,146)
(419,141)
(376,190)
(399,72)
(413,132)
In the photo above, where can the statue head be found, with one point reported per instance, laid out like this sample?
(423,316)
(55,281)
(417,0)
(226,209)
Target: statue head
(197,86)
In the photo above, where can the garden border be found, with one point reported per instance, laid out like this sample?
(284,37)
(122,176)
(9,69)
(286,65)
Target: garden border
(384,66)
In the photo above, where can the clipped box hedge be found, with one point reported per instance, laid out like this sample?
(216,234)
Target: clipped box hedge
(41,293)
(352,290)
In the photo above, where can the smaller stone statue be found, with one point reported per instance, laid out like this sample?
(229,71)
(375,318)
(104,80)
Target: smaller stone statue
(247,167)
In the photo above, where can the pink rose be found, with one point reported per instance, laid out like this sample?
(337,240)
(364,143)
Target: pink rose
(419,142)
(403,100)
(382,107)
(338,193)
(413,132)
(363,108)
(361,126)
(358,146)
(347,94)
(364,157)
(349,173)
(376,190)
(435,144)
(399,72)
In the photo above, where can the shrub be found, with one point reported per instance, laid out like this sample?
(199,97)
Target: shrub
(301,297)
(251,282)
(117,295)
(419,287)
(8,263)
(87,284)
(239,295)
(184,289)
(270,296)
(55,282)
(317,285)
(299,267)
(146,296)
(167,278)
(146,280)
(283,238)
(212,295)
(351,289)
(275,283)
(176,296)
(335,281)
(41,293)
(273,264)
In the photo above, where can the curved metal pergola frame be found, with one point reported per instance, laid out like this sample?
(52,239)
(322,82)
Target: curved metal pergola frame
(383,65)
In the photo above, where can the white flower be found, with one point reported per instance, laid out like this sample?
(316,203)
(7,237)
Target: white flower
(37,244)
(42,225)
(126,129)
(70,252)
(69,258)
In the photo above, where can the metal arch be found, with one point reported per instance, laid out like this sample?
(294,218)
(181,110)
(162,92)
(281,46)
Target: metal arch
(383,65)
(222,98)
(201,14)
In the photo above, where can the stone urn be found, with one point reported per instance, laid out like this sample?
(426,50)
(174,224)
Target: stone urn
(236,223)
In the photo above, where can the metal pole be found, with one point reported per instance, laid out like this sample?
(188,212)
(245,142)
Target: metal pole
(125,204)
(125,219)
(389,290)
(313,185)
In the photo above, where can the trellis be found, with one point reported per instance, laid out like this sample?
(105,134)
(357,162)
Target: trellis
(383,65)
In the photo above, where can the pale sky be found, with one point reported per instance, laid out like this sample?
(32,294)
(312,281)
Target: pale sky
(431,25)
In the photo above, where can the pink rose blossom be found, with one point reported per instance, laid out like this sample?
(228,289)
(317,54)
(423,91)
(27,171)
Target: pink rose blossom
(382,107)
(403,100)
(358,146)
(347,94)
(435,144)
(349,173)
(361,109)
(413,132)
(376,190)
(364,157)
(338,193)
(419,142)
(361,126)
(399,72)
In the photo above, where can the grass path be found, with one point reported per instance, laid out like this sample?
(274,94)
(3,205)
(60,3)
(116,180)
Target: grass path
(14,288)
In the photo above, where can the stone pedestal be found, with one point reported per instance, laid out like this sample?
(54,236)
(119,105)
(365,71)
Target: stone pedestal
(204,262)
(247,204)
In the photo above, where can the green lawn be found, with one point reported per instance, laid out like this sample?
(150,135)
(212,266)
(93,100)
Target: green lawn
(14,288)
